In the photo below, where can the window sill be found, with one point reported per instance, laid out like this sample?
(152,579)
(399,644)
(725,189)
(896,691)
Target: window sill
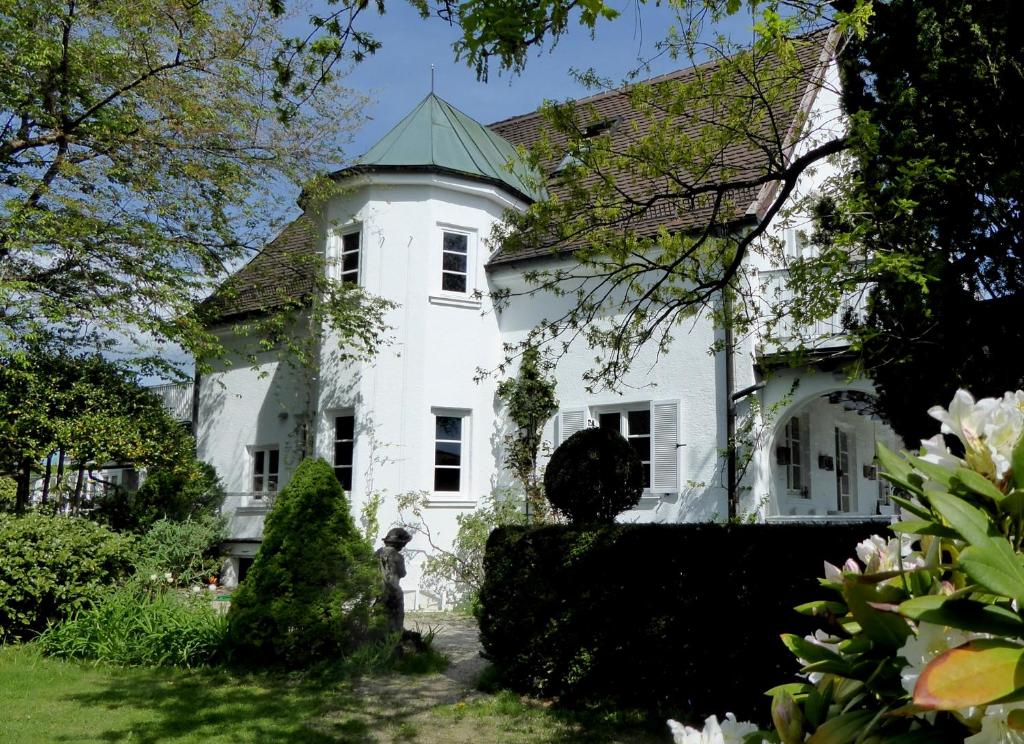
(455,301)
(450,501)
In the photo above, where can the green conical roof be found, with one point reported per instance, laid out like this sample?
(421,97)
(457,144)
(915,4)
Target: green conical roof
(436,135)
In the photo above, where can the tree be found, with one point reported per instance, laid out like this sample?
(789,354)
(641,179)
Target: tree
(309,593)
(530,401)
(142,153)
(83,411)
(189,490)
(934,198)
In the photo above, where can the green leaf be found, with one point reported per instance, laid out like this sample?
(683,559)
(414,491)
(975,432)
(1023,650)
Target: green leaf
(842,729)
(964,614)
(1017,464)
(885,629)
(817,703)
(809,652)
(892,464)
(923,527)
(909,506)
(989,560)
(976,673)
(979,484)
(821,608)
(934,472)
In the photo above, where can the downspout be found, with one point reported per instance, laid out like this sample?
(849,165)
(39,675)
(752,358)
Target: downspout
(730,409)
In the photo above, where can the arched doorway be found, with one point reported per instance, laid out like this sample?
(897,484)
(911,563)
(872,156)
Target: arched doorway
(822,457)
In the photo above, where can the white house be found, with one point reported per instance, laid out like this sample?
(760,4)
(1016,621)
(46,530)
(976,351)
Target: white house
(413,226)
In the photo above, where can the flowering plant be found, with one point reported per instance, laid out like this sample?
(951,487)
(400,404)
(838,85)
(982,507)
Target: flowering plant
(923,640)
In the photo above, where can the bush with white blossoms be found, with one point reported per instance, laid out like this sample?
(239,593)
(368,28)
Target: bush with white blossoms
(923,640)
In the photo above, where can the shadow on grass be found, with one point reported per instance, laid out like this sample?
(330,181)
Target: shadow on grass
(219,705)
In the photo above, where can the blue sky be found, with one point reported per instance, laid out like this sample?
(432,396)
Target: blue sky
(398,76)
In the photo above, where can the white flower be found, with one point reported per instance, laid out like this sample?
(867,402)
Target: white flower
(936,451)
(729,731)
(995,729)
(989,429)
(930,641)
(878,554)
(823,639)
(153,577)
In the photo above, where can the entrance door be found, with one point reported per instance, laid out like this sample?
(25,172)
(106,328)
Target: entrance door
(842,470)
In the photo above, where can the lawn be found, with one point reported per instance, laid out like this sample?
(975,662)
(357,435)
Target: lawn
(44,700)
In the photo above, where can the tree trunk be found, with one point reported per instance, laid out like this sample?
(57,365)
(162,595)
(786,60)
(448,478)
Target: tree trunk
(60,478)
(24,487)
(76,501)
(46,478)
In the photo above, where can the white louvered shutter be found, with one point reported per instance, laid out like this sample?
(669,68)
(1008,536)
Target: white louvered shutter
(664,449)
(571,421)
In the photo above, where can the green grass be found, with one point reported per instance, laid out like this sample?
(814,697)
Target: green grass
(48,701)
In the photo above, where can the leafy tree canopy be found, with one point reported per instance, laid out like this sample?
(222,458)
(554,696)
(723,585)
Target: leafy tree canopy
(934,196)
(143,151)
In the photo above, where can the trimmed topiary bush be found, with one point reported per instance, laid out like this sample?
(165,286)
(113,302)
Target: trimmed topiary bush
(52,566)
(594,476)
(309,594)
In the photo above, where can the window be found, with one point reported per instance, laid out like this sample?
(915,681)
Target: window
(344,446)
(794,457)
(448,454)
(350,258)
(265,461)
(455,263)
(635,426)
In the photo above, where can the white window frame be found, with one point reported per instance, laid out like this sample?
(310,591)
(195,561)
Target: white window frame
(471,247)
(340,274)
(334,416)
(466,431)
(265,450)
(797,457)
(623,412)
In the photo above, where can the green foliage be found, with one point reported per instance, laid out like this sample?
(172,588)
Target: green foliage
(594,476)
(570,612)
(309,593)
(8,494)
(189,550)
(145,154)
(51,567)
(927,624)
(190,489)
(91,409)
(457,573)
(933,200)
(136,625)
(530,401)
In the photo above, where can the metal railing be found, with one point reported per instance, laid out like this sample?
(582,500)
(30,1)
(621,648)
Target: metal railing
(778,306)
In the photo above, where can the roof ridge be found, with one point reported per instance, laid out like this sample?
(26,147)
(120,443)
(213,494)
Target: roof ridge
(624,88)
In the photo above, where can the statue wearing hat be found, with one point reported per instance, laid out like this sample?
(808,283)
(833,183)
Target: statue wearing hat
(392,569)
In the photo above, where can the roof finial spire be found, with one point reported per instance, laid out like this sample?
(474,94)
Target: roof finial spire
(431,77)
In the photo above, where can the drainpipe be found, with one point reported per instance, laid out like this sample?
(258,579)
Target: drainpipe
(730,410)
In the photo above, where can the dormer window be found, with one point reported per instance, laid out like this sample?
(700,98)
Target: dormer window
(455,263)
(571,159)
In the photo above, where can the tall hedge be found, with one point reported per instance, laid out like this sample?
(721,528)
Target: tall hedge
(682,619)
(309,593)
(52,566)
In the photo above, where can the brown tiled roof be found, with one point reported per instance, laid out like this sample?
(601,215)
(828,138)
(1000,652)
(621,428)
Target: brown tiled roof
(282,272)
(742,158)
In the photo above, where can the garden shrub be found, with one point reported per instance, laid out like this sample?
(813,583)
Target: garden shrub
(52,566)
(142,625)
(190,551)
(594,476)
(188,491)
(670,618)
(309,593)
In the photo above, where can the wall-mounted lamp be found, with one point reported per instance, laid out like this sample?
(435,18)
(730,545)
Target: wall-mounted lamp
(826,462)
